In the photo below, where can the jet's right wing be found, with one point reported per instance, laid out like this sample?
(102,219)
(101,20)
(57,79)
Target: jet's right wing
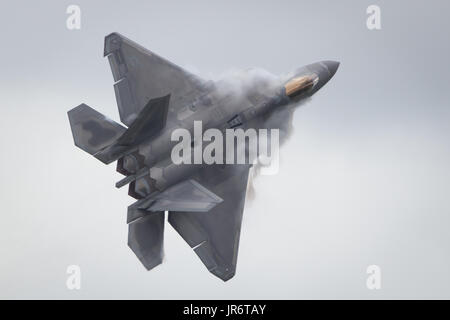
(141,75)
(214,235)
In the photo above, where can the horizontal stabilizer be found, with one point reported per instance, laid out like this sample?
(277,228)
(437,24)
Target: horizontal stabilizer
(92,131)
(146,239)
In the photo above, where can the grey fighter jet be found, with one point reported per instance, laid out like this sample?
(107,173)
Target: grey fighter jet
(204,202)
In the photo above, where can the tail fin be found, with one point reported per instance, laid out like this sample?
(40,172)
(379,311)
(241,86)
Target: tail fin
(149,122)
(93,132)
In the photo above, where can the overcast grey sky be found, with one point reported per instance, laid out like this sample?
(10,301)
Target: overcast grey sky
(364,179)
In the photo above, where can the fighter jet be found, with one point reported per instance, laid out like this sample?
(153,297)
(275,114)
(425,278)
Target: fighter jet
(204,202)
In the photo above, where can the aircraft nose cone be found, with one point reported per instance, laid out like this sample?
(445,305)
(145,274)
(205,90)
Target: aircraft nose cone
(325,70)
(332,67)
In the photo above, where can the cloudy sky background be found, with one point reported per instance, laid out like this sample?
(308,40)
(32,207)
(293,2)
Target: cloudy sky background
(364,179)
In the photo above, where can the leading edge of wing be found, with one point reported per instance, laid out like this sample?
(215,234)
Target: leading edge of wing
(141,75)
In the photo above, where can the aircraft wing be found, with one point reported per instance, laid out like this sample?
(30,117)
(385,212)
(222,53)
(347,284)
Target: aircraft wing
(214,235)
(140,75)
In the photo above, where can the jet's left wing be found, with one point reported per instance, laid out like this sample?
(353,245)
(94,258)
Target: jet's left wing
(142,75)
(214,235)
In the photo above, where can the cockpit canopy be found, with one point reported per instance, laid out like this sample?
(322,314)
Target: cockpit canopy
(299,85)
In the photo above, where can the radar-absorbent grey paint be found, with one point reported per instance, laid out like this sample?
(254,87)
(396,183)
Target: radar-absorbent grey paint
(204,201)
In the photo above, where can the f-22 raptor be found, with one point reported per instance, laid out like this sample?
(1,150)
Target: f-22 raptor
(204,202)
